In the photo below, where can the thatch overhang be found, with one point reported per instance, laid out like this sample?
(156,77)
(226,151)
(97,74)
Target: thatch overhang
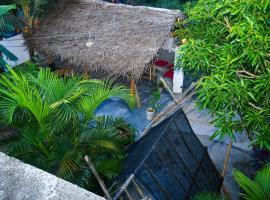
(114,39)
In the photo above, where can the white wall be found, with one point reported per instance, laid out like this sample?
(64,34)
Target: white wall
(178,75)
(17,46)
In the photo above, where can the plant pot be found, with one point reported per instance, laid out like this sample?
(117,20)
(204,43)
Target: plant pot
(150,114)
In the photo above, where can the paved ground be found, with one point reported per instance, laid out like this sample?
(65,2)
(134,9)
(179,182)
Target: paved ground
(241,155)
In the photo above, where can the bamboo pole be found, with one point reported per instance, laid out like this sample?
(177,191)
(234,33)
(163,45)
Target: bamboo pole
(225,166)
(224,171)
(168,89)
(100,181)
(132,87)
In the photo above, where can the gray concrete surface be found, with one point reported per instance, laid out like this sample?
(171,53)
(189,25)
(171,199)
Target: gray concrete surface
(20,181)
(240,157)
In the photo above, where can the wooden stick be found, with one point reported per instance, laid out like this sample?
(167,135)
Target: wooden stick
(168,89)
(225,166)
(128,195)
(132,87)
(138,188)
(100,181)
(138,99)
(150,75)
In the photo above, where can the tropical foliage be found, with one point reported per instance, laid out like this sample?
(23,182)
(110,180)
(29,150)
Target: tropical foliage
(228,43)
(57,124)
(256,189)
(8,55)
(8,21)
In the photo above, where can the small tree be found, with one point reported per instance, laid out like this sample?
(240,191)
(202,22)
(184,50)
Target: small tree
(228,44)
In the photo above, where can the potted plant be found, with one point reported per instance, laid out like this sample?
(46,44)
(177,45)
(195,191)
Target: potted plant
(153,105)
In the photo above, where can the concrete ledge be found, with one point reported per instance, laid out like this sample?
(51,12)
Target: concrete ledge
(22,181)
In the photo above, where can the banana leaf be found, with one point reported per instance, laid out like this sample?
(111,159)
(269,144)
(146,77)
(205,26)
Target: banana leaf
(8,21)
(4,9)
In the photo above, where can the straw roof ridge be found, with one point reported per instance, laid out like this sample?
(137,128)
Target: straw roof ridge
(114,39)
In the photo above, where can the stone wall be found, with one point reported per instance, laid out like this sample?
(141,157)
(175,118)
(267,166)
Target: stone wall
(20,181)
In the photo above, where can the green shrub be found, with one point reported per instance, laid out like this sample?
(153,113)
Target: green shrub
(228,44)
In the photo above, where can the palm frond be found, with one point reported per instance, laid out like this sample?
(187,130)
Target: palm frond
(9,55)
(263,179)
(207,196)
(259,188)
(109,167)
(103,91)
(104,138)
(17,89)
(8,22)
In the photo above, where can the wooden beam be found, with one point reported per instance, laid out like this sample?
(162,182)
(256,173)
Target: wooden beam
(100,181)
(168,89)
(138,99)
(132,87)
(138,188)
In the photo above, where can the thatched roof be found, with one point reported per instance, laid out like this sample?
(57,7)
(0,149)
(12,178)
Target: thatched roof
(115,39)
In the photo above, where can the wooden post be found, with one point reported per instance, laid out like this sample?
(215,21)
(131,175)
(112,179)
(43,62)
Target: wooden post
(132,87)
(100,181)
(86,72)
(134,92)
(225,166)
(138,99)
(168,89)
(150,72)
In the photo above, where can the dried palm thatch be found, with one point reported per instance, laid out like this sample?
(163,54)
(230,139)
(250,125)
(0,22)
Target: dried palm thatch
(116,39)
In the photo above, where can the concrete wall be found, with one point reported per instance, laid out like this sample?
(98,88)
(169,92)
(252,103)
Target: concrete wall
(17,46)
(20,181)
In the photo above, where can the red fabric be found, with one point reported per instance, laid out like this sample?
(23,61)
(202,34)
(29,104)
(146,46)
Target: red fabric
(169,74)
(171,66)
(161,63)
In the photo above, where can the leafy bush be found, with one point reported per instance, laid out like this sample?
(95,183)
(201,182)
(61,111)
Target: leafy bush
(256,189)
(228,43)
(57,124)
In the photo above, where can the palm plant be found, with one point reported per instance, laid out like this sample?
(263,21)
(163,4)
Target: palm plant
(207,196)
(256,189)
(58,126)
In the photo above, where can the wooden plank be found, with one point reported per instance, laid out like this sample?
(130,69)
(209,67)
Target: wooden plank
(138,188)
(123,187)
(100,181)
(153,176)
(128,195)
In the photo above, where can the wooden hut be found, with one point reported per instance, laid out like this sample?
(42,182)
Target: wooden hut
(168,163)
